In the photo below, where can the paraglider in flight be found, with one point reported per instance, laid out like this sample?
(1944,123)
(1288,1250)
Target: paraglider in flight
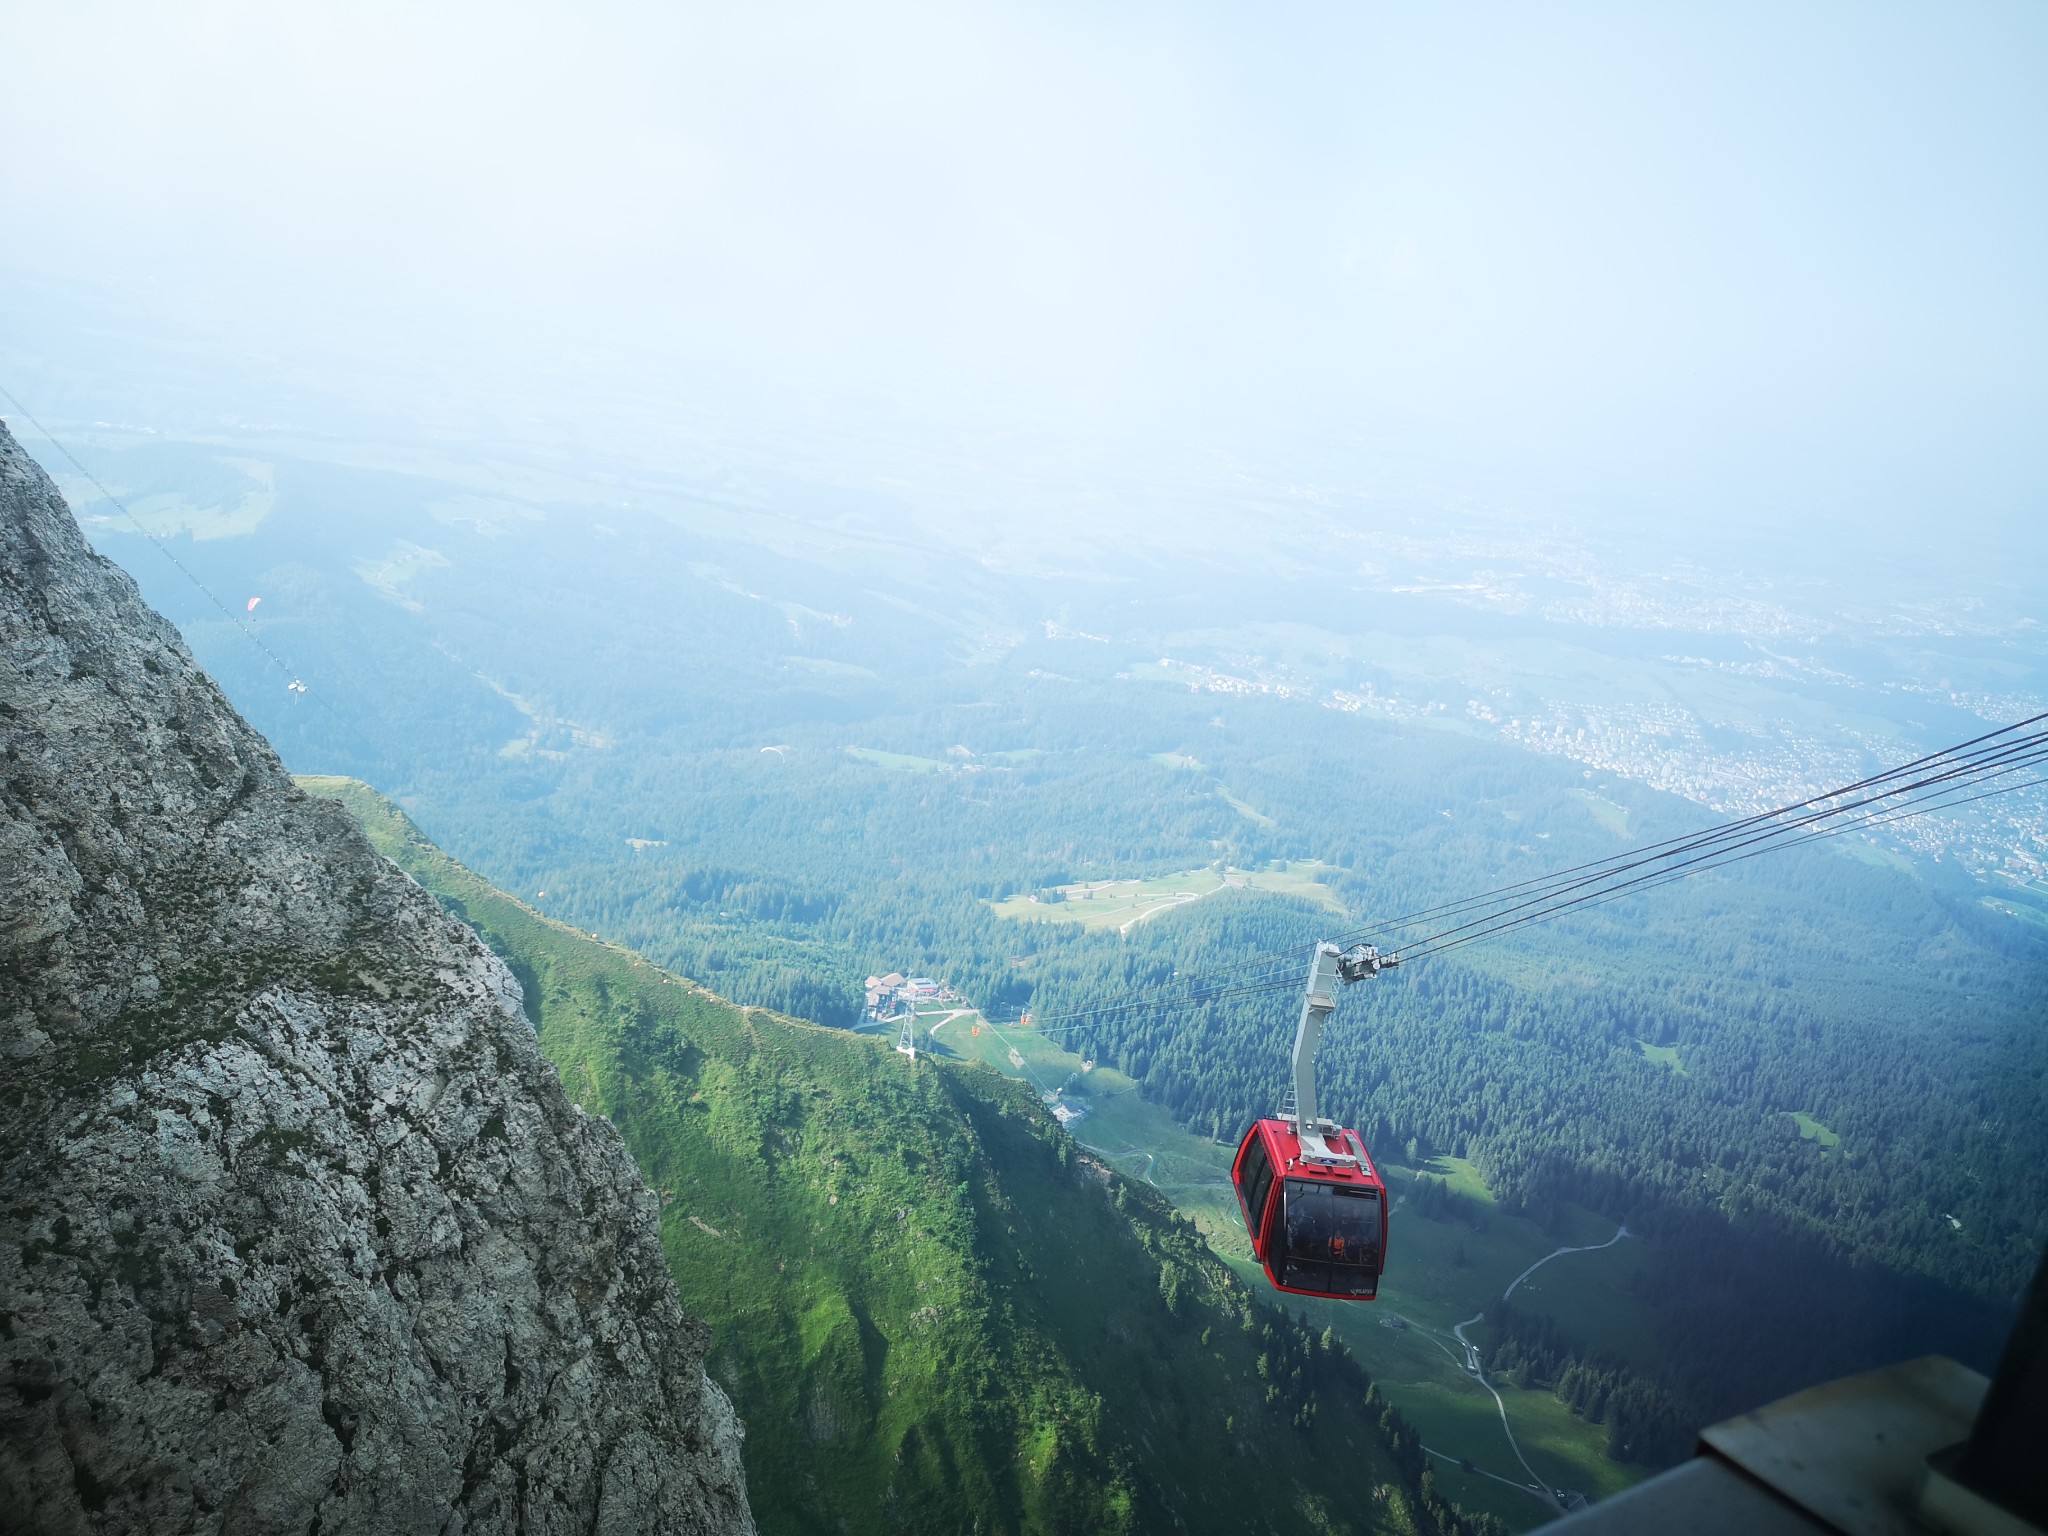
(252,604)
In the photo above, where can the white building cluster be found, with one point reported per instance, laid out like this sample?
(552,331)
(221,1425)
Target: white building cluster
(894,995)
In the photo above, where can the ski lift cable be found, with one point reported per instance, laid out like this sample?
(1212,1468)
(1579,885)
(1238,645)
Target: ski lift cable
(1976,754)
(1973,758)
(1707,852)
(1667,878)
(1022,1060)
(1198,994)
(1778,836)
(1977,761)
(240,621)
(1556,899)
(1967,756)
(1217,984)
(1879,817)
(1784,835)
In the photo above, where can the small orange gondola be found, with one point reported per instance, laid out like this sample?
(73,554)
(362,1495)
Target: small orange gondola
(1313,1203)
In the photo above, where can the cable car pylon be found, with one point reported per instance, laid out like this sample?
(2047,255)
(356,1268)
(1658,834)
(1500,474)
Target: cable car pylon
(1314,1205)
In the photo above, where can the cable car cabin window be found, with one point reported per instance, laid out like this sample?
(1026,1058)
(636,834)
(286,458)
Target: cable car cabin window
(1258,1179)
(1333,1238)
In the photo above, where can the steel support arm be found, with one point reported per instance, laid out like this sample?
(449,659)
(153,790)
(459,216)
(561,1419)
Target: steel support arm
(1330,966)
(1315,1008)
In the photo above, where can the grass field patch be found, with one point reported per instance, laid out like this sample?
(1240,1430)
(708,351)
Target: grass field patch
(820,666)
(1611,816)
(1101,904)
(1871,853)
(1811,1129)
(900,762)
(170,513)
(1250,813)
(1463,1177)
(2021,910)
(1665,1056)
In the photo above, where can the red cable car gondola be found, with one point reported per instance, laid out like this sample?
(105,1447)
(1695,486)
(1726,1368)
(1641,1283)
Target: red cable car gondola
(1313,1203)
(1320,1229)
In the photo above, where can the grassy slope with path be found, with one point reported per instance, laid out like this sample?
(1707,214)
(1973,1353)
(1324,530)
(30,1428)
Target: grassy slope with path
(1440,1273)
(933,1312)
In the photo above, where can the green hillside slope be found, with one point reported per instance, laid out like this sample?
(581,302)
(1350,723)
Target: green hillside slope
(933,1312)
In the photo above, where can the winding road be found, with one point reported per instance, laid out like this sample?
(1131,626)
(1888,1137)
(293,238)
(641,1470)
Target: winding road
(1619,1233)
(1536,1484)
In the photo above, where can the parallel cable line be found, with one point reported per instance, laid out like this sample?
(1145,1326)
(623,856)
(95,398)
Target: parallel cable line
(1542,889)
(1598,888)
(1707,854)
(1876,800)
(1875,818)
(1978,753)
(1650,882)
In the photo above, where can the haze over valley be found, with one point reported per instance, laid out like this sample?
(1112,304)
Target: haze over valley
(1072,509)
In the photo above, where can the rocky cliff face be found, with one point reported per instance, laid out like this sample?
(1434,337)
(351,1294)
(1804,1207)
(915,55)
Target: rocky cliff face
(298,1231)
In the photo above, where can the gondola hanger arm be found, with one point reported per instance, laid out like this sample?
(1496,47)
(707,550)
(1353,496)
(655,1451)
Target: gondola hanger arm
(1330,966)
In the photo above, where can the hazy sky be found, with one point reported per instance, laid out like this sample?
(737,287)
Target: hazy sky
(1784,251)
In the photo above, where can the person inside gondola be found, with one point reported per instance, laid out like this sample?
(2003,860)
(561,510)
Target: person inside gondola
(1332,1236)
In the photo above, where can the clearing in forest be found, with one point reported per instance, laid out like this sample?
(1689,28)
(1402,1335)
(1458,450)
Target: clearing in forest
(956,760)
(1811,1129)
(1611,816)
(1122,904)
(1665,1056)
(901,762)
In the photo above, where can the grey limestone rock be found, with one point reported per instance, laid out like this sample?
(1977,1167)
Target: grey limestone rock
(298,1231)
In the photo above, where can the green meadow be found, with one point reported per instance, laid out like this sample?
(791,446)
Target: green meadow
(1665,1056)
(1102,904)
(1812,1130)
(900,762)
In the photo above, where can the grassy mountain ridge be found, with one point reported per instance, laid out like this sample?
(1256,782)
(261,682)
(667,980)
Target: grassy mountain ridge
(933,1312)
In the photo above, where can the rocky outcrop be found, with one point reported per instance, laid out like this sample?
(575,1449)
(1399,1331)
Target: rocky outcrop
(298,1231)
